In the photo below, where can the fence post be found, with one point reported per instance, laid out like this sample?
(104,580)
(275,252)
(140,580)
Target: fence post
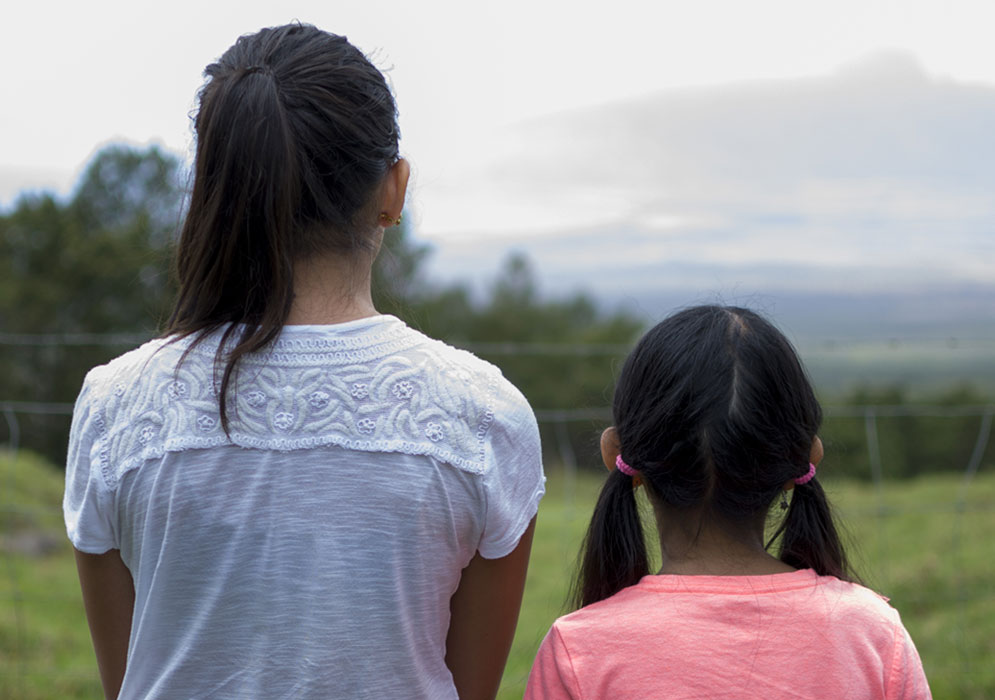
(569,462)
(960,508)
(874,455)
(13,430)
(16,595)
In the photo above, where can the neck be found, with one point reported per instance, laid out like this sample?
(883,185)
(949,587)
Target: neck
(694,544)
(332,289)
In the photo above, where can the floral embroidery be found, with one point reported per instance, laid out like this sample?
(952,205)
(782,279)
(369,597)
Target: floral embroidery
(255,398)
(146,435)
(318,399)
(403,389)
(360,391)
(410,395)
(176,389)
(283,420)
(434,432)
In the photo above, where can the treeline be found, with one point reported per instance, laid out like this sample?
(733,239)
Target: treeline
(99,264)
(94,264)
(929,433)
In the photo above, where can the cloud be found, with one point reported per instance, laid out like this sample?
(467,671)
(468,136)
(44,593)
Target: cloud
(878,167)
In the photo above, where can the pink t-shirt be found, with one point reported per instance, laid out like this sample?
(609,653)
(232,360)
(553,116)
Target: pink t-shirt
(793,635)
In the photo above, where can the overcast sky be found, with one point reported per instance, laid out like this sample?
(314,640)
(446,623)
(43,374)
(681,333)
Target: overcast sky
(711,132)
(875,176)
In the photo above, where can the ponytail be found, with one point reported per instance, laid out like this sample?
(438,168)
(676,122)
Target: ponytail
(234,261)
(809,539)
(614,552)
(295,132)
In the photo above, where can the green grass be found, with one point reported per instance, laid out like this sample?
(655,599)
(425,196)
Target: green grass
(911,542)
(931,553)
(45,649)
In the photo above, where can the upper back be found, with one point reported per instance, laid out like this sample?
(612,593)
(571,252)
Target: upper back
(324,537)
(795,635)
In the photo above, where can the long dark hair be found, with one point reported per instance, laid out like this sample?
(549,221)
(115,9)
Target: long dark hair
(295,131)
(715,411)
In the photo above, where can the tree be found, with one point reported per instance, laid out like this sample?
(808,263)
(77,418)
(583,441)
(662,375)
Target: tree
(96,264)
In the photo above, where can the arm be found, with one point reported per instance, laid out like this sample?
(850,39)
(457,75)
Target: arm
(484,613)
(109,600)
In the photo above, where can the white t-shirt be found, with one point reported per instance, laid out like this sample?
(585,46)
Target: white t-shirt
(314,552)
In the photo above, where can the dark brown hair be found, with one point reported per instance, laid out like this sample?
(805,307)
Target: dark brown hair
(715,411)
(295,131)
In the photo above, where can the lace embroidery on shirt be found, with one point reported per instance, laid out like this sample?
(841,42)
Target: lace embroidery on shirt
(400,392)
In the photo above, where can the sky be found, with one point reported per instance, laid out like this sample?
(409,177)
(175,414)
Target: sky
(715,143)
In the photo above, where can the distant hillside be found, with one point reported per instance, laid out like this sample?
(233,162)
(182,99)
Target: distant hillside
(880,331)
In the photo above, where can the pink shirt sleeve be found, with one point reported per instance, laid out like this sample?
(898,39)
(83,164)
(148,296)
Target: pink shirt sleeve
(552,676)
(908,680)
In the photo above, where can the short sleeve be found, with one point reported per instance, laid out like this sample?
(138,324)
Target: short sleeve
(513,482)
(908,680)
(87,504)
(552,676)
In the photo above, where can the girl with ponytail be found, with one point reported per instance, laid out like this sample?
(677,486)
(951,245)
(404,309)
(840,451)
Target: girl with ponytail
(289,495)
(716,419)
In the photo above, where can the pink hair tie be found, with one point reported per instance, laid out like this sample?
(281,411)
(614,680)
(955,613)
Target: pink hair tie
(625,468)
(808,476)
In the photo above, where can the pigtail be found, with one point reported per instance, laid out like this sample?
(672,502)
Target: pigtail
(614,552)
(809,536)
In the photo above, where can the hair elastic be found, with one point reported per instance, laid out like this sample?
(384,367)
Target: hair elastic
(809,475)
(625,468)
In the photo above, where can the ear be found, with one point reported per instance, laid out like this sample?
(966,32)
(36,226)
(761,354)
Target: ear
(395,186)
(610,447)
(815,456)
(817,453)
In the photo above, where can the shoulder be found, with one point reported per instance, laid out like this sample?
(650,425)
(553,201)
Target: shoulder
(102,407)
(465,374)
(862,610)
(848,598)
(465,384)
(865,622)
(588,643)
(603,619)
(462,365)
(105,384)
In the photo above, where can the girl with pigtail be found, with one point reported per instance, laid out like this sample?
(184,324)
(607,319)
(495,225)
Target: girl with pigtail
(716,419)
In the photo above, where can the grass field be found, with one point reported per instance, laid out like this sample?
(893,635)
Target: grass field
(933,557)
